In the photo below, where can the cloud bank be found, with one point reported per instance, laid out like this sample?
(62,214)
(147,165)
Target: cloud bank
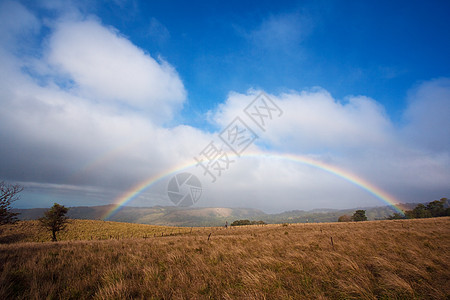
(85,116)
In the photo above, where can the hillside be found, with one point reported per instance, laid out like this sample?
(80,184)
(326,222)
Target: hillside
(207,216)
(331,215)
(399,259)
(32,231)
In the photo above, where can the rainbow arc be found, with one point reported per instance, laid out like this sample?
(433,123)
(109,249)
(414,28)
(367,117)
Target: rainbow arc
(378,193)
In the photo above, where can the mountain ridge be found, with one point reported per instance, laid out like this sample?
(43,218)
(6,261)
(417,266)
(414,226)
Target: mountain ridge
(208,216)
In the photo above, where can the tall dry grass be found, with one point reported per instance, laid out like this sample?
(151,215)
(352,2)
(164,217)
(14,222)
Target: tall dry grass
(33,231)
(404,259)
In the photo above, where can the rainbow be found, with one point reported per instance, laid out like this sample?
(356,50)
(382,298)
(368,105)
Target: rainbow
(358,181)
(142,186)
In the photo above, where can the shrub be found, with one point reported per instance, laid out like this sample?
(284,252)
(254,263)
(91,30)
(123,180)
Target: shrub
(247,222)
(345,218)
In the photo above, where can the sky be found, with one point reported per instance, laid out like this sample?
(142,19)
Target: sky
(98,98)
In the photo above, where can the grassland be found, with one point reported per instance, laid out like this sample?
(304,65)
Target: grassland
(403,259)
(32,231)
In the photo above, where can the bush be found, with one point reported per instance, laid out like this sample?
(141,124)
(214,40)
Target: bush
(247,222)
(345,218)
(396,216)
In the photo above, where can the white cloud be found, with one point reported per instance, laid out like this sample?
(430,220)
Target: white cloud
(73,120)
(107,67)
(313,121)
(158,31)
(355,136)
(17,25)
(102,131)
(283,32)
(427,116)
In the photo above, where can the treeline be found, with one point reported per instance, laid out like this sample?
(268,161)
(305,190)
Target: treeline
(436,208)
(359,215)
(247,222)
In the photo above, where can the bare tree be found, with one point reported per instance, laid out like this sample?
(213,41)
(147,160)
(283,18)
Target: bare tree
(8,194)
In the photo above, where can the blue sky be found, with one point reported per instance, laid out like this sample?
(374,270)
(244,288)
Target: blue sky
(97,96)
(375,48)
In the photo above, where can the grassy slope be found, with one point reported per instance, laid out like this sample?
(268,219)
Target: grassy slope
(32,231)
(402,259)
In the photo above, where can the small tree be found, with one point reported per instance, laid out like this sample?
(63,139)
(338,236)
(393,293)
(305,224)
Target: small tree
(344,218)
(359,215)
(436,208)
(241,222)
(55,219)
(8,194)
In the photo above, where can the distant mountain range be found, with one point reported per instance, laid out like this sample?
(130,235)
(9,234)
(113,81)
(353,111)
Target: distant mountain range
(208,216)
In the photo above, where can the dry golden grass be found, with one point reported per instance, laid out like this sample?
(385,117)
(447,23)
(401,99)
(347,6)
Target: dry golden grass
(403,259)
(32,231)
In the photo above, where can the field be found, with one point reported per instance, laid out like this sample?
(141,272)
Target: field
(31,231)
(403,259)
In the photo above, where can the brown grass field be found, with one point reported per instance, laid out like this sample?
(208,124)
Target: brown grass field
(402,259)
